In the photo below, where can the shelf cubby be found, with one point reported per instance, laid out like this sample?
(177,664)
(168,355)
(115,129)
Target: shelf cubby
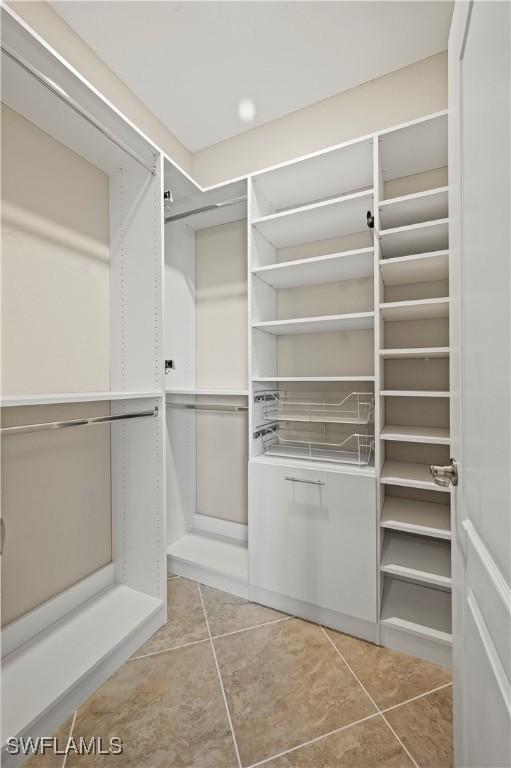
(333,267)
(417,268)
(422,518)
(413,239)
(319,176)
(319,221)
(410,474)
(417,558)
(418,610)
(419,309)
(416,208)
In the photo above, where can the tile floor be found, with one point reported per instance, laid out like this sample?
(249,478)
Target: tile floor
(228,683)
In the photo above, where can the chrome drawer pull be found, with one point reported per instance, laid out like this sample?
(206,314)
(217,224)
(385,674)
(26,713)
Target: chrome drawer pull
(309,482)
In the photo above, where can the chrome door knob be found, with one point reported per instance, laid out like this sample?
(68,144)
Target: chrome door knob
(446,475)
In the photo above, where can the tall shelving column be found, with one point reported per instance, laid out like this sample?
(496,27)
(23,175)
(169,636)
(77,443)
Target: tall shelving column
(411,229)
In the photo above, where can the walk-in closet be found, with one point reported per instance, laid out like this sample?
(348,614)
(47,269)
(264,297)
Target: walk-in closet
(255,384)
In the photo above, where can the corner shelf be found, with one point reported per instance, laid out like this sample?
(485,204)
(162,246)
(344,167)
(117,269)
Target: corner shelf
(334,267)
(417,268)
(418,309)
(415,208)
(356,321)
(415,238)
(411,475)
(414,353)
(10,401)
(318,221)
(405,434)
(420,517)
(417,610)
(419,559)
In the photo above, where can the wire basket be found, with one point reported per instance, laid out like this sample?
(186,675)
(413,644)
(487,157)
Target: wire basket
(353,449)
(320,407)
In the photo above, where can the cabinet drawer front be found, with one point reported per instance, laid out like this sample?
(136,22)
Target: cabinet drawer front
(312,537)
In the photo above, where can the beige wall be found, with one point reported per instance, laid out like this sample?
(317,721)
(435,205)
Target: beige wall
(56,497)
(410,92)
(51,26)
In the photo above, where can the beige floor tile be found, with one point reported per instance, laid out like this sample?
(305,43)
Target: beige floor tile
(186,621)
(49,759)
(425,727)
(285,685)
(168,710)
(389,676)
(366,745)
(229,613)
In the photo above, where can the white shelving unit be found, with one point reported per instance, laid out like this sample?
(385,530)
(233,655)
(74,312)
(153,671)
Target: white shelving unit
(357,321)
(52,645)
(414,512)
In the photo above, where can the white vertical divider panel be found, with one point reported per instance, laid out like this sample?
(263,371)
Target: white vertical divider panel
(138,447)
(250,363)
(379,415)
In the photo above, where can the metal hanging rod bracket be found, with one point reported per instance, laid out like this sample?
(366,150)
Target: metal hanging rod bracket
(208,407)
(204,209)
(49,425)
(66,99)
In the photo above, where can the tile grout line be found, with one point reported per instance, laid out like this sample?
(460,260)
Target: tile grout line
(315,739)
(220,679)
(213,637)
(415,698)
(370,697)
(64,760)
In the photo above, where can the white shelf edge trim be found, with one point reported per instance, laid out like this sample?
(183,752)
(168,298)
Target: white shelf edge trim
(11,401)
(313,206)
(412,628)
(413,196)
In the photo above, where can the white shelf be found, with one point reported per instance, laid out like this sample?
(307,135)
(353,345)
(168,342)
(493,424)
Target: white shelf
(58,659)
(416,609)
(206,391)
(420,517)
(312,379)
(411,475)
(414,393)
(414,209)
(333,267)
(420,559)
(415,238)
(414,353)
(319,221)
(219,554)
(418,268)
(325,466)
(9,401)
(419,146)
(434,435)
(317,177)
(356,321)
(419,309)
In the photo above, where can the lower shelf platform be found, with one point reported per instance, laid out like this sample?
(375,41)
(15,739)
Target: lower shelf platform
(411,475)
(417,619)
(217,561)
(38,675)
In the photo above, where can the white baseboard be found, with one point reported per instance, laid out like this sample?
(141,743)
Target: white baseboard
(208,576)
(47,614)
(358,627)
(220,527)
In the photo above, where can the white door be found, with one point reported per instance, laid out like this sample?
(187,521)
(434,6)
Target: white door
(480,179)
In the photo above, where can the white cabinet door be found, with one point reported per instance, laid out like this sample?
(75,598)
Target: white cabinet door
(312,537)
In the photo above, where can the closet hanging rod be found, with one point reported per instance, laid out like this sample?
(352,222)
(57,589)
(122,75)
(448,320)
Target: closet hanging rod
(208,407)
(63,96)
(205,208)
(26,428)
